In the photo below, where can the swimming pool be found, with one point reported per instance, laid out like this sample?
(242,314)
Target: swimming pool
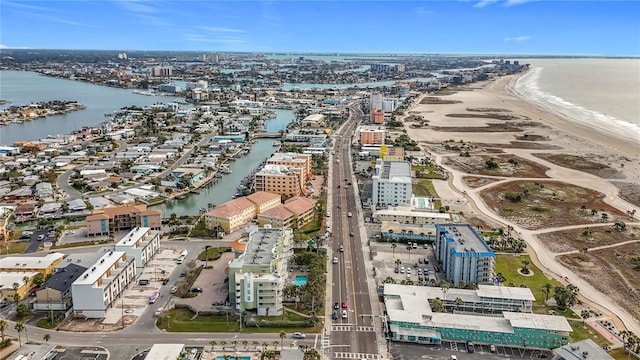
(421,202)
(234,358)
(300,280)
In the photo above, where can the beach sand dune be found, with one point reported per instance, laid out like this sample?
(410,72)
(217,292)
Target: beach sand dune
(453,118)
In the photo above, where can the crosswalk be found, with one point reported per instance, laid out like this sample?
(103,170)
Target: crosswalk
(351,328)
(348,355)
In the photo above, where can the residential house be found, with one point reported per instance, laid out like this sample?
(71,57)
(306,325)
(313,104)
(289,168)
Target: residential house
(55,293)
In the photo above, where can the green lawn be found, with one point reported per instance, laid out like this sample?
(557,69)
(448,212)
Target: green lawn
(582,331)
(508,265)
(182,321)
(17,247)
(213,253)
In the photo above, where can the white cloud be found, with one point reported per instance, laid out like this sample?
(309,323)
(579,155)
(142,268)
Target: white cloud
(518,38)
(421,10)
(483,3)
(138,7)
(516,2)
(222,29)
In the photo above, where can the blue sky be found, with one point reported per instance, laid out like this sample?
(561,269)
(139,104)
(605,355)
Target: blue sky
(573,27)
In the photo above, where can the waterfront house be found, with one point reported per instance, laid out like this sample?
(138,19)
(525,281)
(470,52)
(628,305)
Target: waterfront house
(188,176)
(113,219)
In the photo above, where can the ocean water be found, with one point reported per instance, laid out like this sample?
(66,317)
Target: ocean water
(604,93)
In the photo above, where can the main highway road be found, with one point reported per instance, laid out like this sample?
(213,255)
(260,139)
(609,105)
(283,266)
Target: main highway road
(354,335)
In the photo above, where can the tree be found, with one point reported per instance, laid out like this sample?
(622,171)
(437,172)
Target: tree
(4,325)
(437,305)
(23,311)
(213,344)
(547,289)
(565,296)
(255,343)
(19,328)
(274,343)
(501,278)
(524,269)
(245,343)
(585,314)
(46,338)
(223,344)
(234,343)
(283,334)
(458,302)
(265,345)
(393,248)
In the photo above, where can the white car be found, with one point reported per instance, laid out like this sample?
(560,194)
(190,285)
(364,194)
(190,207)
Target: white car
(299,335)
(328,213)
(158,311)
(335,260)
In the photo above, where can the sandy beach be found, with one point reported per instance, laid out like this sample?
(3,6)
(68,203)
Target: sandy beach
(490,119)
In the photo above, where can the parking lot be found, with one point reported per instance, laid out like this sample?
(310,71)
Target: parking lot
(459,349)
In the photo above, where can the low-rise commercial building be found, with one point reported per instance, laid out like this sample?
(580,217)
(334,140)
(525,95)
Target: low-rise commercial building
(15,283)
(409,215)
(313,121)
(102,283)
(141,244)
(257,276)
(411,319)
(464,255)
(44,265)
(581,350)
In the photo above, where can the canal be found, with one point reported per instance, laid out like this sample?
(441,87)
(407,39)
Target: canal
(224,189)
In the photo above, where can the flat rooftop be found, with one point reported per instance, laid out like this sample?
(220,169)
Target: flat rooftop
(396,171)
(259,250)
(29,262)
(136,235)
(465,238)
(99,268)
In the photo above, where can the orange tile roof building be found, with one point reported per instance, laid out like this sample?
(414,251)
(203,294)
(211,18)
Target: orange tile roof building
(231,215)
(279,179)
(294,213)
(113,219)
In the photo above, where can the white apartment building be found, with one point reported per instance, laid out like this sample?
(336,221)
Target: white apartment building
(141,244)
(257,277)
(391,184)
(100,286)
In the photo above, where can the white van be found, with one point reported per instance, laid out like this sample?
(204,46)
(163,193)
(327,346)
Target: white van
(344,314)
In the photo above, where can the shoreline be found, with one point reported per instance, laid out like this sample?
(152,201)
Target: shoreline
(567,124)
(459,119)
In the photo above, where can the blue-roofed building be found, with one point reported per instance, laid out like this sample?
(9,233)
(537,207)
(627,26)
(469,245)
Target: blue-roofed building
(233,137)
(464,255)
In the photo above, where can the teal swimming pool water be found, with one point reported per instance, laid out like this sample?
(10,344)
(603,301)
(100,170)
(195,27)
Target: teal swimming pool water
(421,202)
(300,280)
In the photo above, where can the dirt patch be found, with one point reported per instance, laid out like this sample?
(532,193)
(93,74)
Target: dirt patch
(477,181)
(533,137)
(537,205)
(611,271)
(581,163)
(505,165)
(521,145)
(628,191)
(483,109)
(432,100)
(588,237)
(477,129)
(479,223)
(80,324)
(487,116)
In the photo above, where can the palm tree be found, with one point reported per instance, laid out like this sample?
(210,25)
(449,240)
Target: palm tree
(283,334)
(275,343)
(393,248)
(245,343)
(255,343)
(223,343)
(525,263)
(458,302)
(19,328)
(234,343)
(4,325)
(547,289)
(265,345)
(585,314)
(437,305)
(46,338)
(501,278)
(213,344)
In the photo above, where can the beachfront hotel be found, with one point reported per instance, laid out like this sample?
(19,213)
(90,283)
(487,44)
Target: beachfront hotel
(258,275)
(102,283)
(463,255)
(391,184)
(411,319)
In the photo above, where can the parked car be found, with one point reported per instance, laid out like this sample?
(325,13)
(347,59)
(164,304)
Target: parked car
(336,306)
(334,316)
(299,335)
(165,281)
(158,311)
(344,314)
(349,214)
(344,305)
(470,347)
(492,348)
(174,289)
(341,248)
(218,303)
(335,260)
(196,290)
(40,237)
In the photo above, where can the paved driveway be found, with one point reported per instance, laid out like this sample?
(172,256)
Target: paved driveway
(211,281)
